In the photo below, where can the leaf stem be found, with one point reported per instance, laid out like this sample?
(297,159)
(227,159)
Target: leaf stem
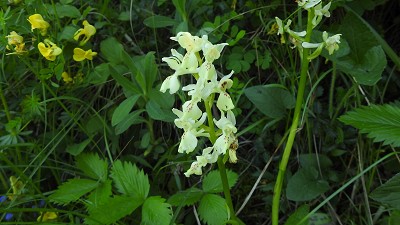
(294,126)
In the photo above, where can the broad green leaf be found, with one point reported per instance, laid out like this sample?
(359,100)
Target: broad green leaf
(298,215)
(213,210)
(159,107)
(100,195)
(380,122)
(156,212)
(394,218)
(62,11)
(129,180)
(100,74)
(112,50)
(67,33)
(76,149)
(113,210)
(92,166)
(366,60)
(186,197)
(389,192)
(271,100)
(158,21)
(129,120)
(305,185)
(212,181)
(127,84)
(146,70)
(315,161)
(72,190)
(123,109)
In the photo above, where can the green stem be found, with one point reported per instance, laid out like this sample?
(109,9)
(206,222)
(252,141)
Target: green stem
(293,128)
(220,162)
(4,102)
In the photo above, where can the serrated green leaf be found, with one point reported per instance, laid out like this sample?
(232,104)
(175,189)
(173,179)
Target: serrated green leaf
(72,190)
(212,181)
(92,166)
(186,197)
(271,100)
(115,209)
(389,192)
(298,215)
(305,185)
(100,195)
(130,181)
(213,209)
(156,212)
(158,21)
(380,122)
(76,149)
(123,109)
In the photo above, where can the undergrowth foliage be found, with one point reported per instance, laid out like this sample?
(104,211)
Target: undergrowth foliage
(199,112)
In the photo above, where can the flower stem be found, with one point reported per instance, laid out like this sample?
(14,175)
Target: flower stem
(294,126)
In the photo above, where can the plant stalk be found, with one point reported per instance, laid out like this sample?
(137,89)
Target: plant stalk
(294,126)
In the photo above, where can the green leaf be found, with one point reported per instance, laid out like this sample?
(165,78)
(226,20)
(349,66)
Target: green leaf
(131,119)
(92,166)
(100,195)
(67,33)
(112,50)
(389,192)
(146,70)
(213,210)
(305,185)
(115,209)
(186,197)
(380,122)
(320,219)
(298,215)
(72,190)
(158,21)
(76,149)
(129,180)
(156,212)
(394,218)
(123,109)
(160,105)
(212,181)
(271,100)
(130,86)
(366,60)
(63,11)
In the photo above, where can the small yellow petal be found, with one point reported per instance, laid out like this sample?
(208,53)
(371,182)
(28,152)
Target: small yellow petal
(47,216)
(79,54)
(37,22)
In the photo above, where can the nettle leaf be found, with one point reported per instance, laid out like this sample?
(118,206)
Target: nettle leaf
(130,181)
(380,122)
(123,109)
(72,190)
(213,210)
(212,181)
(298,215)
(389,192)
(186,197)
(271,100)
(305,185)
(156,212)
(92,166)
(113,210)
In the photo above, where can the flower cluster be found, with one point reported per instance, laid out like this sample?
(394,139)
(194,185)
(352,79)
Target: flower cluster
(297,38)
(15,43)
(191,118)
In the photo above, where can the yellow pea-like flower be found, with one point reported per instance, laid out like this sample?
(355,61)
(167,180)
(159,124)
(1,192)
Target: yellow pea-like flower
(66,77)
(47,216)
(80,54)
(87,31)
(49,50)
(37,22)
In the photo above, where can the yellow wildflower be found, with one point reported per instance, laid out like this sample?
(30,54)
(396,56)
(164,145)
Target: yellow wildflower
(38,22)
(47,216)
(15,39)
(87,31)
(66,77)
(80,54)
(49,50)
(17,187)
